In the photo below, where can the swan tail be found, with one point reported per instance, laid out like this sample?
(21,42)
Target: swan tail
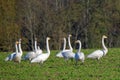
(7,58)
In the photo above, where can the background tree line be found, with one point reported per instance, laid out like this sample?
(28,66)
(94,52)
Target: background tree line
(86,20)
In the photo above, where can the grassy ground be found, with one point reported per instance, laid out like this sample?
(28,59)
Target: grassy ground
(107,68)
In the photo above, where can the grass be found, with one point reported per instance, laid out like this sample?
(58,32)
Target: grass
(107,68)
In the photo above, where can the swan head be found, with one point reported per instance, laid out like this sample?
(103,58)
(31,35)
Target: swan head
(17,42)
(35,39)
(20,40)
(104,36)
(48,38)
(77,41)
(64,38)
(70,35)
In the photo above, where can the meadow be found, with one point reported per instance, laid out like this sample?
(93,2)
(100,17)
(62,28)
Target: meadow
(107,68)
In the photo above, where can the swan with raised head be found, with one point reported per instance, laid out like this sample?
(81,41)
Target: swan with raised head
(68,53)
(18,56)
(64,46)
(33,54)
(11,56)
(44,56)
(79,55)
(37,49)
(99,53)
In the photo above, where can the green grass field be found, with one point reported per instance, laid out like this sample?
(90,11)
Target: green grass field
(107,68)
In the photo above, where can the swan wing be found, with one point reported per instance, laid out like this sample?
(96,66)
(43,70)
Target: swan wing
(10,56)
(29,55)
(59,54)
(40,58)
(96,54)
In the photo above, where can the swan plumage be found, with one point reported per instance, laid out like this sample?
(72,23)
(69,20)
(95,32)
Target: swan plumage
(99,53)
(17,57)
(79,55)
(11,56)
(64,46)
(37,48)
(44,56)
(68,53)
(32,54)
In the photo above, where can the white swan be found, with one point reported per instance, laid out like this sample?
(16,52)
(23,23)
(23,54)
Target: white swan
(99,53)
(69,43)
(64,46)
(17,57)
(68,53)
(79,55)
(33,54)
(37,49)
(11,56)
(44,56)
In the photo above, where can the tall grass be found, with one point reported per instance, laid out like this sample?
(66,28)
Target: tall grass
(107,68)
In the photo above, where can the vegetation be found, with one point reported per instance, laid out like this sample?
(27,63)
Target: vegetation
(107,68)
(87,20)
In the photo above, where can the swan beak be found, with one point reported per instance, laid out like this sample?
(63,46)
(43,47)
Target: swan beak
(104,36)
(76,41)
(48,38)
(17,42)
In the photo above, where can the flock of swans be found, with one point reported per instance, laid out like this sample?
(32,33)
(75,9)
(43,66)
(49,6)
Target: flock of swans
(37,56)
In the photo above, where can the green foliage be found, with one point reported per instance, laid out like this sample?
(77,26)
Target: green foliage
(56,68)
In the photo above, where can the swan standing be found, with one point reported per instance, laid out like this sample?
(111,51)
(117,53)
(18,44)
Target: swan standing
(44,56)
(79,55)
(11,56)
(99,53)
(64,46)
(68,53)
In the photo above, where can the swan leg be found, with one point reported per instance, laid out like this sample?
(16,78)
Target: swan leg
(41,63)
(76,62)
(72,59)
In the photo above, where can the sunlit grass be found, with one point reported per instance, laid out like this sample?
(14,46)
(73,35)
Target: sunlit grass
(107,68)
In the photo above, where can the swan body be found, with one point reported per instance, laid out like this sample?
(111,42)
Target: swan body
(37,48)
(60,53)
(18,55)
(68,53)
(99,53)
(29,55)
(79,55)
(33,54)
(44,56)
(39,51)
(11,56)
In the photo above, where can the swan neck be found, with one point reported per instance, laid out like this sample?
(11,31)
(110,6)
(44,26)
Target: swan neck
(35,45)
(47,45)
(79,47)
(70,44)
(16,47)
(103,44)
(64,46)
(20,46)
